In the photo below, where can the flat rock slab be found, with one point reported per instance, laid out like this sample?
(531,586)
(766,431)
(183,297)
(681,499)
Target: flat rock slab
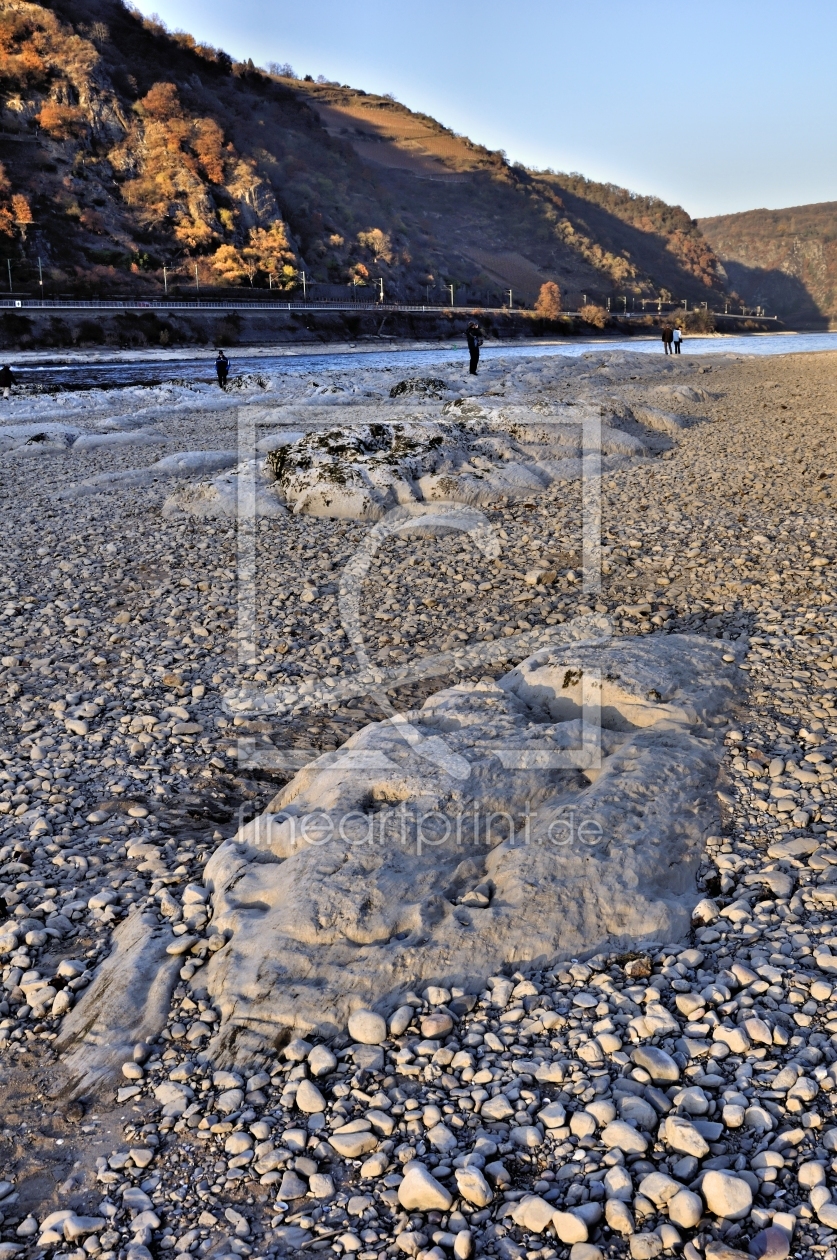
(348,891)
(127,1002)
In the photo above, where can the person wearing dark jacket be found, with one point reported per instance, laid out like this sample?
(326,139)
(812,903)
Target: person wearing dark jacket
(668,337)
(222,368)
(475,340)
(6,380)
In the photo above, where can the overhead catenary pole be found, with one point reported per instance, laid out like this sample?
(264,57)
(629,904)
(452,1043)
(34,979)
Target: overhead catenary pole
(9,265)
(450,286)
(197,281)
(165,280)
(304,289)
(40,275)
(511,300)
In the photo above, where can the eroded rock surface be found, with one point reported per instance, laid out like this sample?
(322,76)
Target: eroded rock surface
(477,832)
(472,451)
(126,1004)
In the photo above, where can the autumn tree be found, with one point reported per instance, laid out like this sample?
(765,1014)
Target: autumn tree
(207,143)
(62,122)
(181,155)
(377,242)
(548,305)
(269,250)
(229,264)
(596,316)
(22,63)
(22,213)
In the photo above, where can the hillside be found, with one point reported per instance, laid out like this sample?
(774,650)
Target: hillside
(785,260)
(127,149)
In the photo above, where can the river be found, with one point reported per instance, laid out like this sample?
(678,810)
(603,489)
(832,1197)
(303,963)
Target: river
(76,370)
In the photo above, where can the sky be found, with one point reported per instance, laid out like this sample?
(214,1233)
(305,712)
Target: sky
(718,106)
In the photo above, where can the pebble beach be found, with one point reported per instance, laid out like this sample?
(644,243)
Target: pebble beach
(669,1099)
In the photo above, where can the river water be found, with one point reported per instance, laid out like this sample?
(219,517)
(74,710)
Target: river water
(74,372)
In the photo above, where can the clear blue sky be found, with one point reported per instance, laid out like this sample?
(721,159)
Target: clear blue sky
(718,105)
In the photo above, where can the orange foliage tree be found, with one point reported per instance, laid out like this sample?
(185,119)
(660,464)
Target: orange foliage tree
(180,153)
(548,305)
(21,61)
(377,242)
(267,251)
(62,122)
(596,316)
(270,250)
(229,264)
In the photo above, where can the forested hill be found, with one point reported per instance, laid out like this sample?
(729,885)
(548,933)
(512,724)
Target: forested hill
(785,260)
(126,148)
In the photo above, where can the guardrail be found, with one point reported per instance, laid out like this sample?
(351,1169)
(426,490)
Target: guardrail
(334,304)
(201,304)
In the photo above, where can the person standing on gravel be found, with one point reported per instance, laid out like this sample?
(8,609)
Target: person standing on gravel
(667,339)
(222,368)
(676,338)
(475,340)
(6,380)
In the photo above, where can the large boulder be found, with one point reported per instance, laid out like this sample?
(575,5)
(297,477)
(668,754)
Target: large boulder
(353,887)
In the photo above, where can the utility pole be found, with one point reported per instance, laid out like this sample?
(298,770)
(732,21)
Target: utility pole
(450,286)
(511,303)
(381,282)
(40,275)
(9,265)
(304,289)
(165,280)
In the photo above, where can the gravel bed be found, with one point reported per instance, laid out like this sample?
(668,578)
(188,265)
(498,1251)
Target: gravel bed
(673,1100)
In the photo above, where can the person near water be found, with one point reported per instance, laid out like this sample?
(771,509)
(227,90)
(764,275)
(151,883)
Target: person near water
(222,368)
(6,380)
(667,340)
(676,338)
(475,340)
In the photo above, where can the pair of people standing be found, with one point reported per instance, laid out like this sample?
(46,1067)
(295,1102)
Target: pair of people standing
(672,337)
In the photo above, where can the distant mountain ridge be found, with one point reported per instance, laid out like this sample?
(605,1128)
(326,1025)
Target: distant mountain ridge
(134,157)
(785,260)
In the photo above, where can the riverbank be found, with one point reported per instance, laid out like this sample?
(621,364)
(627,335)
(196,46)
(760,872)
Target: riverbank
(79,370)
(60,329)
(674,1090)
